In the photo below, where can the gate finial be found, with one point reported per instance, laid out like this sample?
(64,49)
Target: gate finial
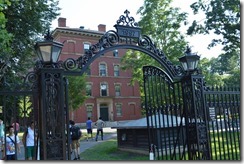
(126,20)
(188,50)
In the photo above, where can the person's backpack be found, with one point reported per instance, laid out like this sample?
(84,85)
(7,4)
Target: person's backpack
(75,133)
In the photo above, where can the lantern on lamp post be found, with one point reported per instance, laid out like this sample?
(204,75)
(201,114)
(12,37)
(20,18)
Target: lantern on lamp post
(189,61)
(194,107)
(48,51)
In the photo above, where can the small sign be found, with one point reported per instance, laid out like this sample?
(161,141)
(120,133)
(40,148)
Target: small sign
(128,32)
(212,113)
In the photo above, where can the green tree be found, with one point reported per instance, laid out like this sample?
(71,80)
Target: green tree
(5,37)
(222,17)
(25,21)
(210,77)
(161,22)
(76,89)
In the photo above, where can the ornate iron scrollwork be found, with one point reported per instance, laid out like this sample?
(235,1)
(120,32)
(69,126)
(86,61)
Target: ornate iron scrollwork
(126,20)
(128,35)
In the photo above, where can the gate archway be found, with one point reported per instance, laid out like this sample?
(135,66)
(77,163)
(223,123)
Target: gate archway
(164,113)
(189,112)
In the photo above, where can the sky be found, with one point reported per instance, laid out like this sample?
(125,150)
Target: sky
(91,13)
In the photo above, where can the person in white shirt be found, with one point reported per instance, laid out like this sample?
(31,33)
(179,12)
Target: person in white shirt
(1,131)
(12,142)
(29,141)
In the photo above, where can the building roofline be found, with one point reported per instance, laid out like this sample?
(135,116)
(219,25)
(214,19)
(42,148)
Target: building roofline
(77,31)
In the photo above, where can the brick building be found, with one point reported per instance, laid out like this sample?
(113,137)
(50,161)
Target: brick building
(110,94)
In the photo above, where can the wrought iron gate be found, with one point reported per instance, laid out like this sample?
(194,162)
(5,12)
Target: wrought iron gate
(18,105)
(21,103)
(165,117)
(212,131)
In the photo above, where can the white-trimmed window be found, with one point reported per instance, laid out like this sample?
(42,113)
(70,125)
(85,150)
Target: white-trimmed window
(117,90)
(86,47)
(104,89)
(102,69)
(118,109)
(116,70)
(89,110)
(88,89)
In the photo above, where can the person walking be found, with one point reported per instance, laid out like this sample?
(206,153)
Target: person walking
(70,122)
(1,132)
(89,128)
(29,138)
(75,136)
(12,142)
(100,124)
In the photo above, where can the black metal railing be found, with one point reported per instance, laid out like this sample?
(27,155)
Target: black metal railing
(223,108)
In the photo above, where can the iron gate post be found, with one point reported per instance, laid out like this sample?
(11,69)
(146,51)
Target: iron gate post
(51,129)
(195,117)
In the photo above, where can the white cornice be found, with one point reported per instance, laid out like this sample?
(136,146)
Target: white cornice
(77,31)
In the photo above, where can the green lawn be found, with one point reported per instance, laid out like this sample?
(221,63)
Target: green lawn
(108,151)
(225,145)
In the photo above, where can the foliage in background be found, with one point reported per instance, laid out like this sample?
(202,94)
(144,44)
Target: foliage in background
(76,91)
(23,21)
(210,76)
(222,17)
(25,107)
(161,23)
(5,36)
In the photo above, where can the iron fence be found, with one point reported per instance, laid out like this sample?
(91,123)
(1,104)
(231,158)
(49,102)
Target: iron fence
(223,108)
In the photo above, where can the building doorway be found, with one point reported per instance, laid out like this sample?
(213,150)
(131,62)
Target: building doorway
(104,112)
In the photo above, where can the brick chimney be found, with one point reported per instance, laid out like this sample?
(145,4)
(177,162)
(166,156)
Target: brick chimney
(102,27)
(61,22)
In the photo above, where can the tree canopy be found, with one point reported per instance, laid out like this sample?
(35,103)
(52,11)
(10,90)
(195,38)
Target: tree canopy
(22,22)
(222,17)
(76,89)
(162,23)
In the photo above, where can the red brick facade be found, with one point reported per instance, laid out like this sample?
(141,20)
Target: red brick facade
(126,105)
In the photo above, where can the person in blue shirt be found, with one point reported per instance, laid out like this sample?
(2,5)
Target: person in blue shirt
(89,128)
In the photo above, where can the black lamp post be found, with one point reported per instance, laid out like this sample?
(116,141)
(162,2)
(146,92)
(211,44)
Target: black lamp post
(52,114)
(194,108)
(189,61)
